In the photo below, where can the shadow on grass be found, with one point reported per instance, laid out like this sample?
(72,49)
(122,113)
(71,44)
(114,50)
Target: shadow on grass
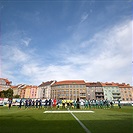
(30,125)
(109,126)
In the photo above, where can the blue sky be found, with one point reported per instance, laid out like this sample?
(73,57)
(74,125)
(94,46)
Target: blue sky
(64,40)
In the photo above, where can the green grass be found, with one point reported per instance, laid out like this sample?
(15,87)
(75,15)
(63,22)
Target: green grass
(35,121)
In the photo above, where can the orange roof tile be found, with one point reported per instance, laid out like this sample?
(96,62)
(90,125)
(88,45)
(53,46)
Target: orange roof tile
(6,80)
(14,87)
(46,83)
(96,84)
(109,84)
(123,85)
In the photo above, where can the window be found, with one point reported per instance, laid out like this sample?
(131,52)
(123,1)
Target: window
(62,86)
(67,86)
(77,86)
(81,86)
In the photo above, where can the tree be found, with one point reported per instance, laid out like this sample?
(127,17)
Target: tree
(7,94)
(2,94)
(16,96)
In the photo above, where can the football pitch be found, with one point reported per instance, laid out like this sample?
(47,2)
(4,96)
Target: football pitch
(113,120)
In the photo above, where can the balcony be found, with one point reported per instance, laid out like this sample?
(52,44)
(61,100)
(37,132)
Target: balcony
(99,91)
(116,92)
(117,96)
(99,95)
(81,96)
(83,91)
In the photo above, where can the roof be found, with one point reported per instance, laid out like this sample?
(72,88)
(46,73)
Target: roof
(6,80)
(46,83)
(68,82)
(14,87)
(93,84)
(109,84)
(123,85)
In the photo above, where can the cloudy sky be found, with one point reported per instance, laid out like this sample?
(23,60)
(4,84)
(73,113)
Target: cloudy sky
(64,40)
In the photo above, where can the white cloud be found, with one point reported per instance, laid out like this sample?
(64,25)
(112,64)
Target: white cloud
(14,54)
(84,17)
(26,41)
(107,56)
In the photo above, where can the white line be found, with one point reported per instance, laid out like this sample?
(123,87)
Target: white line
(69,111)
(84,127)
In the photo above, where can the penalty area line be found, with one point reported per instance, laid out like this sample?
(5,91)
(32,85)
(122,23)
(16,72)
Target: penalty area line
(76,111)
(71,112)
(82,125)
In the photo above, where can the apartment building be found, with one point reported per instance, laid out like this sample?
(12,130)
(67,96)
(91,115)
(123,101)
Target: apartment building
(126,92)
(72,89)
(111,91)
(44,89)
(28,91)
(5,84)
(33,92)
(94,91)
(69,89)
(17,89)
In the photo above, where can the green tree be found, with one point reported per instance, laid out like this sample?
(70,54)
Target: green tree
(2,94)
(16,96)
(9,93)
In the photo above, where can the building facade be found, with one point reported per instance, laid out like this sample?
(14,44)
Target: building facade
(17,89)
(5,84)
(28,91)
(126,92)
(94,91)
(33,92)
(44,89)
(111,91)
(72,89)
(69,89)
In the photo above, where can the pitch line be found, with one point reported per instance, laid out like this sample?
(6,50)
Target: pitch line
(71,112)
(83,126)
